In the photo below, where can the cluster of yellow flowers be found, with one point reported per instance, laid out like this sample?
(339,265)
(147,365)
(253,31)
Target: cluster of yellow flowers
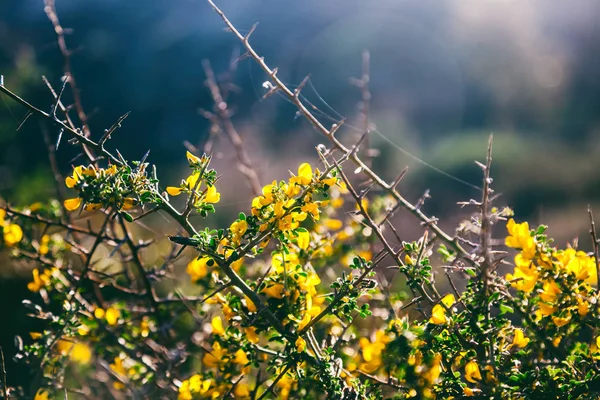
(563,278)
(12,233)
(192,185)
(87,180)
(41,280)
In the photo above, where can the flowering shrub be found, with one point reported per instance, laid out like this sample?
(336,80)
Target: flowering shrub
(291,299)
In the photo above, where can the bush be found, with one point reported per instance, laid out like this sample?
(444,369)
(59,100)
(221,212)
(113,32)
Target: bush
(291,302)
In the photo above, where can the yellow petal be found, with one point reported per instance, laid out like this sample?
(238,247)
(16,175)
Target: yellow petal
(72,204)
(448,300)
(212,196)
(217,326)
(192,159)
(303,239)
(70,182)
(173,190)
(300,345)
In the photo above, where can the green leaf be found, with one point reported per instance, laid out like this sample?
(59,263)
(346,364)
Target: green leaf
(127,216)
(506,309)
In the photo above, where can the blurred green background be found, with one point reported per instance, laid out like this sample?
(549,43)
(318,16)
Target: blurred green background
(444,75)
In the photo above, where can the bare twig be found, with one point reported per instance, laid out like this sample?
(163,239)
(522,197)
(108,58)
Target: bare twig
(595,242)
(224,118)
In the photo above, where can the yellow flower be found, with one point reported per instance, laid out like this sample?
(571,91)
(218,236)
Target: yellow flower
(303,239)
(72,204)
(12,234)
(112,315)
(472,373)
(41,394)
(525,275)
(519,340)
(583,307)
(550,291)
(241,357)
(174,191)
(198,268)
(192,159)
(520,238)
(237,264)
(251,335)
(71,181)
(39,280)
(99,313)
(188,185)
(239,227)
(372,351)
(212,196)
(242,391)
(305,175)
(250,304)
(333,224)
(285,384)
(213,358)
(276,291)
(562,321)
(438,313)
(193,386)
(300,345)
(217,326)
(312,209)
(579,264)
(79,353)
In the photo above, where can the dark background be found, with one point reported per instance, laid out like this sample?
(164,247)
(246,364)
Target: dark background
(444,75)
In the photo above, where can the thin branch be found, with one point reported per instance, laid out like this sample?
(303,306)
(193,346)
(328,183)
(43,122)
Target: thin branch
(223,113)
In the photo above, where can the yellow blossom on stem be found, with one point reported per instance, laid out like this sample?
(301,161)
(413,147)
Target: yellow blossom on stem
(519,339)
(250,304)
(300,345)
(217,326)
(438,313)
(41,394)
(303,239)
(12,234)
(192,159)
(550,291)
(111,314)
(72,204)
(275,291)
(251,335)
(198,268)
(213,358)
(211,195)
(472,373)
(562,321)
(39,280)
(333,224)
(520,238)
(305,175)
(193,386)
(79,353)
